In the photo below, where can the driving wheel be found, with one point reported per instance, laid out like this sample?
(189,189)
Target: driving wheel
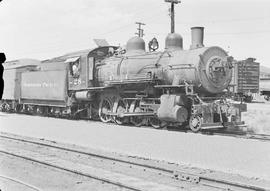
(105,107)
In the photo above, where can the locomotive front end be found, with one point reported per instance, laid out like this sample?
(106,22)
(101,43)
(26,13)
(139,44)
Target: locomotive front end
(209,69)
(214,70)
(205,72)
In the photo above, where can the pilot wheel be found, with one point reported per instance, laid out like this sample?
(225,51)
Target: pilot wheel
(195,123)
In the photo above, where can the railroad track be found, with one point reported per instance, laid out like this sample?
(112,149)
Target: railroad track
(228,133)
(186,176)
(240,134)
(263,137)
(18,182)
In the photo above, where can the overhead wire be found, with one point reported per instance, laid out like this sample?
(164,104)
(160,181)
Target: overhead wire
(150,18)
(221,20)
(228,20)
(227,33)
(85,43)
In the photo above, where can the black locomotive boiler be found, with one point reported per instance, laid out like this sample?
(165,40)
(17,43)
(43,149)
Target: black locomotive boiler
(177,87)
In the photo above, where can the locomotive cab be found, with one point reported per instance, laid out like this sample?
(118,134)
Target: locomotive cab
(77,75)
(82,67)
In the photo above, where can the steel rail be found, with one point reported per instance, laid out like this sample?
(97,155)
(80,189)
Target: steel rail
(183,175)
(236,134)
(216,182)
(73,171)
(263,137)
(91,154)
(20,182)
(244,135)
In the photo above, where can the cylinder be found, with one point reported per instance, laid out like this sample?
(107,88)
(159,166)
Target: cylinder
(83,95)
(197,34)
(179,113)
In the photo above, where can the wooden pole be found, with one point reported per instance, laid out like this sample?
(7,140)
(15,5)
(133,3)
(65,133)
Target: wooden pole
(172,13)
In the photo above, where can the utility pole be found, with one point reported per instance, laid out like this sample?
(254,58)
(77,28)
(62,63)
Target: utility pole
(140,30)
(172,12)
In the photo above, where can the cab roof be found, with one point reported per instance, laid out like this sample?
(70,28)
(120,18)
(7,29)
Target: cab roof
(98,52)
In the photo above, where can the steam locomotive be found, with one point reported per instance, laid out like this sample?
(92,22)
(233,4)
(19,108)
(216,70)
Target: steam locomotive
(172,87)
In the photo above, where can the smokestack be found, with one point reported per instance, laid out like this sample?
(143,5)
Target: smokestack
(196,37)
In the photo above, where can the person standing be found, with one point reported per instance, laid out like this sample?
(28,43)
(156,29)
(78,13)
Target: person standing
(2,60)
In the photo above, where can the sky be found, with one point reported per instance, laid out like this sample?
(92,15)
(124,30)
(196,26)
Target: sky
(43,29)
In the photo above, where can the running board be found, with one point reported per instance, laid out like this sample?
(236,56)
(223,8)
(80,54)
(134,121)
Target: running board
(131,114)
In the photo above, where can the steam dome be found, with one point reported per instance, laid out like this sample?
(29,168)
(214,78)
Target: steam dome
(135,44)
(174,41)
